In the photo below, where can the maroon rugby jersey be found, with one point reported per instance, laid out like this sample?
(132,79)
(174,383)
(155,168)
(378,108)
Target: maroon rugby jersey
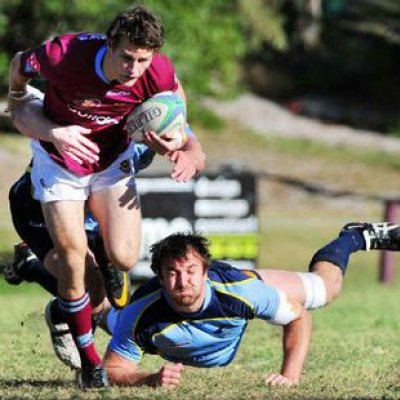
(78,93)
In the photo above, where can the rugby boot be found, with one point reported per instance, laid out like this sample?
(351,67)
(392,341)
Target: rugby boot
(92,377)
(378,236)
(22,255)
(116,282)
(63,343)
(117,285)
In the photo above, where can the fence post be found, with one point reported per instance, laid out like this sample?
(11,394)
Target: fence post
(386,266)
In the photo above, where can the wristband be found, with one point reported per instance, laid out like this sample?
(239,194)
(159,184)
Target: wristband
(19,95)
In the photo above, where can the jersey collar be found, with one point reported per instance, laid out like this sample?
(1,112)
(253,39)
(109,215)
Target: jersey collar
(99,64)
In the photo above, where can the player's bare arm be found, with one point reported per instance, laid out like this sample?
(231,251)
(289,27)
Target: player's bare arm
(16,85)
(124,372)
(29,119)
(189,161)
(296,339)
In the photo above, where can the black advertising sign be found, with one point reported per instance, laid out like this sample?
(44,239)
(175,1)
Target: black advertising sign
(220,206)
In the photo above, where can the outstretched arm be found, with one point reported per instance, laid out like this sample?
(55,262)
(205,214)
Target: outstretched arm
(121,371)
(296,339)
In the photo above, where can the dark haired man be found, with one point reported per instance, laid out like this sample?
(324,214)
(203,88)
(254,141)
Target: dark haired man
(93,82)
(196,310)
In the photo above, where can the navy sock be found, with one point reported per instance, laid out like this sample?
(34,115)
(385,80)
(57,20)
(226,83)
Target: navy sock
(338,251)
(33,271)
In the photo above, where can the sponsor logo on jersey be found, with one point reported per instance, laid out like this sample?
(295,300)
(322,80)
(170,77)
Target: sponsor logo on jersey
(86,113)
(92,36)
(117,93)
(86,103)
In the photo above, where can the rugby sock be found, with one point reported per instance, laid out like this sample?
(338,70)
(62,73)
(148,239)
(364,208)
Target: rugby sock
(33,271)
(338,251)
(78,314)
(57,316)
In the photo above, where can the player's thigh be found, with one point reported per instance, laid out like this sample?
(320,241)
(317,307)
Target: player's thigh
(117,210)
(65,223)
(287,281)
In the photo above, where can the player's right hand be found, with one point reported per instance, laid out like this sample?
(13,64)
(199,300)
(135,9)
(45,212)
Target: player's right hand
(169,375)
(71,141)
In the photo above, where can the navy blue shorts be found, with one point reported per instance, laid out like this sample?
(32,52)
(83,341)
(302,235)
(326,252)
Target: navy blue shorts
(28,220)
(27,217)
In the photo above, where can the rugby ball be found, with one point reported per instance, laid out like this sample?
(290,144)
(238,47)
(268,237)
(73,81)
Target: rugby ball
(163,113)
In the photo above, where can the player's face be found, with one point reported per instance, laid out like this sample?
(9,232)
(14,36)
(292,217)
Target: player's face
(184,281)
(126,62)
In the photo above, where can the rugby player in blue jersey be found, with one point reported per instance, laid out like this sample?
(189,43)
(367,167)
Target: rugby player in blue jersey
(195,311)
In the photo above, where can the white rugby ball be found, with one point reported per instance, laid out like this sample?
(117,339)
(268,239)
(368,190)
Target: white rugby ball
(163,113)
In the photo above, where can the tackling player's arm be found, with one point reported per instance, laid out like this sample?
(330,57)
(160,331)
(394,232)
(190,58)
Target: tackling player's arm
(124,372)
(17,85)
(296,323)
(28,118)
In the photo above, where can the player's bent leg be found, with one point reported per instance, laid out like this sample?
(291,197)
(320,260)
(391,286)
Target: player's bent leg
(287,281)
(378,235)
(94,284)
(331,277)
(115,281)
(63,343)
(117,210)
(22,255)
(61,338)
(65,222)
(307,288)
(330,261)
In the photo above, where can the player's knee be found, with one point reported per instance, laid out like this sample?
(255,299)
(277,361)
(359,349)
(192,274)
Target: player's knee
(123,259)
(314,290)
(72,254)
(332,277)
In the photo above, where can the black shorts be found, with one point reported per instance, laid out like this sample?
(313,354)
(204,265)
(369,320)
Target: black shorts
(27,217)
(28,220)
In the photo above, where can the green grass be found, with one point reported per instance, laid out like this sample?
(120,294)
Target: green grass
(354,352)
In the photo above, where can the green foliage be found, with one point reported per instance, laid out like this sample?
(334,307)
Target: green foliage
(264,23)
(203,38)
(205,117)
(206,40)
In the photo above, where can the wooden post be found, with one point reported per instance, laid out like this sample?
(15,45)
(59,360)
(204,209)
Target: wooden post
(386,266)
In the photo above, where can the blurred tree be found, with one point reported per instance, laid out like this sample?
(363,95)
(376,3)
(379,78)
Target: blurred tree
(203,38)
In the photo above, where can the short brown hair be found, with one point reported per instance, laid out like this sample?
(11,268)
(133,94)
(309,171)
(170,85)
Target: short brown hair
(140,26)
(176,246)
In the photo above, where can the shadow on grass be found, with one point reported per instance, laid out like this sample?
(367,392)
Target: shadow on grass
(37,383)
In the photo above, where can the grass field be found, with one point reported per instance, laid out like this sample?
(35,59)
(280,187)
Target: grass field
(354,353)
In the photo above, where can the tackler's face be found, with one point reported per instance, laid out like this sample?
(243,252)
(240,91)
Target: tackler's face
(184,281)
(126,62)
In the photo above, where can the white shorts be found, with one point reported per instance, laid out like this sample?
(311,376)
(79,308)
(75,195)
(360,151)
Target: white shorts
(52,182)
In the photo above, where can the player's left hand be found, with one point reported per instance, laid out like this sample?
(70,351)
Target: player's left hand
(169,376)
(279,380)
(184,166)
(160,145)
